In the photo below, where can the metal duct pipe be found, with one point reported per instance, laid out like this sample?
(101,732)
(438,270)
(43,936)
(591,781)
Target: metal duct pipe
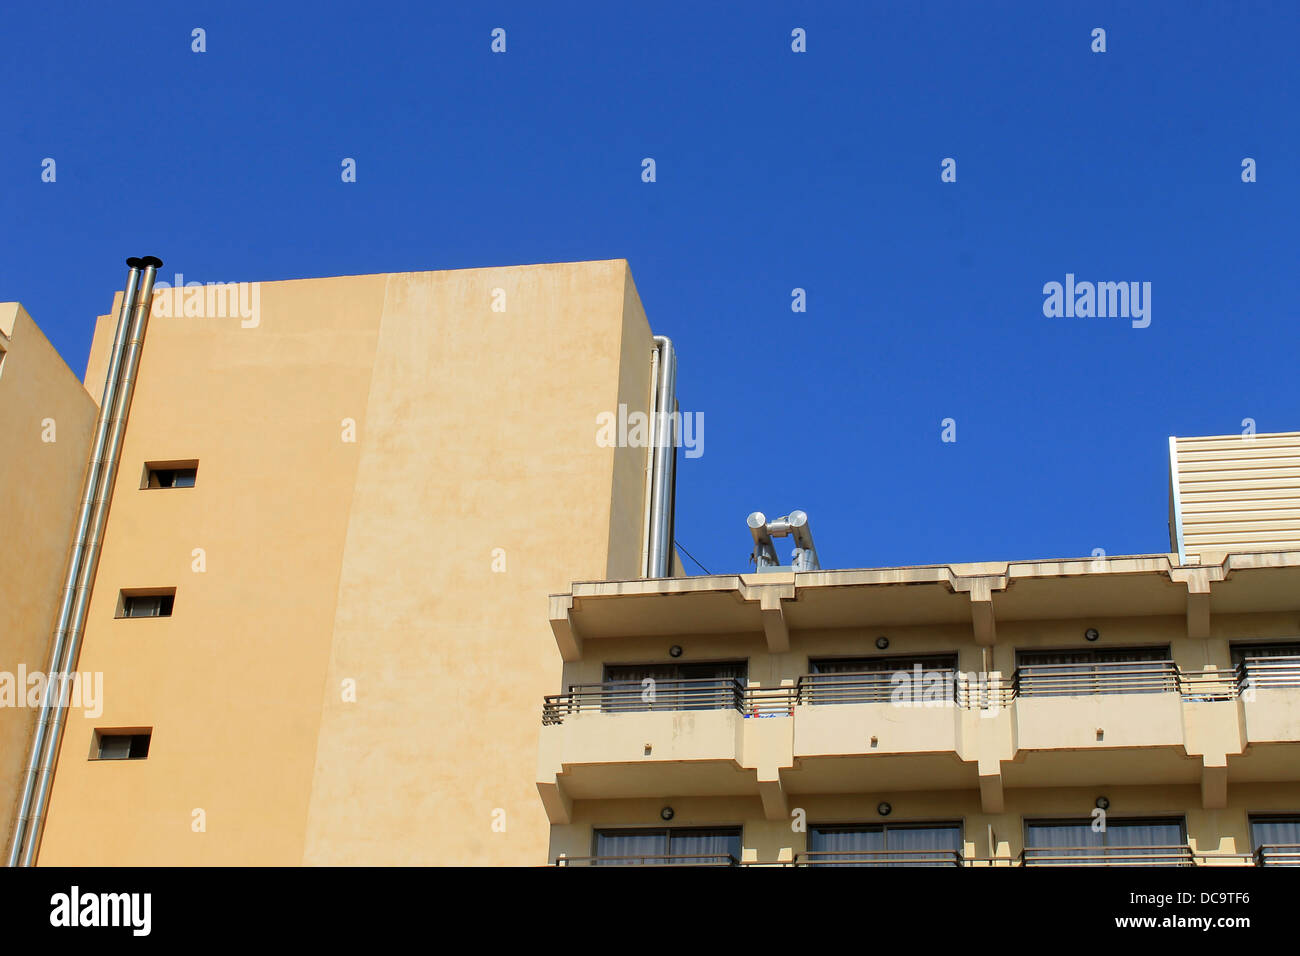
(76,555)
(764,555)
(130,366)
(802,534)
(664,448)
(649,466)
(793,525)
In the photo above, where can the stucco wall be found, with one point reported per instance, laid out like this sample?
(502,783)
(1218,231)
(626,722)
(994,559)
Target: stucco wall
(40,490)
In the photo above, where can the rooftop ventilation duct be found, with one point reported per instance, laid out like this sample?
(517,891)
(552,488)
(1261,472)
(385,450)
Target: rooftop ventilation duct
(794,525)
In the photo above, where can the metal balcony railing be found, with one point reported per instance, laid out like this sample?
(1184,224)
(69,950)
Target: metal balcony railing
(1267,855)
(1210,684)
(879,858)
(1278,854)
(621,697)
(1268,672)
(699,859)
(938,688)
(1111,677)
(1108,856)
(874,687)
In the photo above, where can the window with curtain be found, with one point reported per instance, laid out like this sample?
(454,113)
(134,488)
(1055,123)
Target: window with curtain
(1076,842)
(1276,840)
(686,846)
(1072,672)
(694,685)
(878,844)
(855,680)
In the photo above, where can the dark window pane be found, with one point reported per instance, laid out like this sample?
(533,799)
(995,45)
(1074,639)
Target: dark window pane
(172,477)
(123,746)
(631,847)
(1276,840)
(1242,651)
(706,847)
(1275,830)
(114,747)
(148,605)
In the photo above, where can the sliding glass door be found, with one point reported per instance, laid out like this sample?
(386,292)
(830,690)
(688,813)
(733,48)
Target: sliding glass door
(675,846)
(936,844)
(1076,843)
(708,685)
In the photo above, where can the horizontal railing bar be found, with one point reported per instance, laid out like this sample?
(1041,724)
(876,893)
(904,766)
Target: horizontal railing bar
(953,687)
(652,859)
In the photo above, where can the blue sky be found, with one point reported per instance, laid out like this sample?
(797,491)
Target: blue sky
(775,170)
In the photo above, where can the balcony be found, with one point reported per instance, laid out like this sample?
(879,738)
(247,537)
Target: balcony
(1269,672)
(634,697)
(880,858)
(1179,855)
(720,859)
(626,739)
(941,690)
(852,730)
(1076,680)
(1073,724)
(1171,855)
(1271,707)
(1278,854)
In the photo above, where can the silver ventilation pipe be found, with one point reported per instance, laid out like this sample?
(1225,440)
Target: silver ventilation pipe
(663,443)
(128,368)
(76,556)
(649,466)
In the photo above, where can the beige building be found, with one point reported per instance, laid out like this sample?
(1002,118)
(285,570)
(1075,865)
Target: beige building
(320,608)
(45,423)
(319,615)
(1111,710)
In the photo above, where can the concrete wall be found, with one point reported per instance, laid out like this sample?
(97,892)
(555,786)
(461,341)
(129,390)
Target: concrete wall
(46,422)
(349,680)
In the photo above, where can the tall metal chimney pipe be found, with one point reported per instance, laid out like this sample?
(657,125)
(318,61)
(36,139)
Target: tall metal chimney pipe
(664,449)
(128,368)
(76,555)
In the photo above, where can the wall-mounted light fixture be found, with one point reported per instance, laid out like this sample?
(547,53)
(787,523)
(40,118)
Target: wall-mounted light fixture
(675,651)
(666,813)
(1103,803)
(1091,634)
(884,809)
(882,642)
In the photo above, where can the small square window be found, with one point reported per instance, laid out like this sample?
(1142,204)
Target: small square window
(148,604)
(170,474)
(117,745)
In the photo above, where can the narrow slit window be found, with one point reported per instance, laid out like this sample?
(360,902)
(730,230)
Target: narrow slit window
(171,474)
(122,746)
(157,604)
